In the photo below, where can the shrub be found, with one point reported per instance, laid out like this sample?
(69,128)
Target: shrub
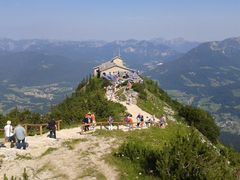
(140,88)
(202,120)
(184,157)
(89,96)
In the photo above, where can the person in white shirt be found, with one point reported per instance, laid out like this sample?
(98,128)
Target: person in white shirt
(8,132)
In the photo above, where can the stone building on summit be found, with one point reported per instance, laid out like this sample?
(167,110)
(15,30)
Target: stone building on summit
(113,66)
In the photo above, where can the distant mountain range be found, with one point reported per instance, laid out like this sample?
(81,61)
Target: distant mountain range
(34,64)
(207,76)
(177,44)
(36,74)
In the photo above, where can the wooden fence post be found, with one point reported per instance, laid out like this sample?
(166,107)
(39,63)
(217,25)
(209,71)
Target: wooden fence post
(40,128)
(26,128)
(58,125)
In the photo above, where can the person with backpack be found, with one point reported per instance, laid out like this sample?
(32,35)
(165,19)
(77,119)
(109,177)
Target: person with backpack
(20,135)
(52,126)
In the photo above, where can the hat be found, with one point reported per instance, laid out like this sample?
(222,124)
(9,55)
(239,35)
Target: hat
(8,122)
(89,112)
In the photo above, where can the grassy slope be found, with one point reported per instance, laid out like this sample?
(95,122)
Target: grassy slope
(151,138)
(133,157)
(152,99)
(89,96)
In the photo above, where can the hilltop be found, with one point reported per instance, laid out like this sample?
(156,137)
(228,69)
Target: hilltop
(53,68)
(187,148)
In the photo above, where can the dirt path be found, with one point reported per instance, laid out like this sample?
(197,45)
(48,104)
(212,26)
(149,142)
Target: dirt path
(131,108)
(71,156)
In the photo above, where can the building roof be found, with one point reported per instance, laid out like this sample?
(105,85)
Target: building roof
(110,64)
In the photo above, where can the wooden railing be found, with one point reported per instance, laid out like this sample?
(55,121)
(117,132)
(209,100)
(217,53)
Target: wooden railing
(101,124)
(40,126)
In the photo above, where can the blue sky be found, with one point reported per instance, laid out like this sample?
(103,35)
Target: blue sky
(200,20)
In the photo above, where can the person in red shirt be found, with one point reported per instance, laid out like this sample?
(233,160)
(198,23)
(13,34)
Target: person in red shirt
(130,122)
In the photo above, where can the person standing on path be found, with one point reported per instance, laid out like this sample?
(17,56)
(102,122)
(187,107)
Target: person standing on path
(110,122)
(94,123)
(52,126)
(8,132)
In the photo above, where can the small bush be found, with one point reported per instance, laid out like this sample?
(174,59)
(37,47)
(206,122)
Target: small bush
(202,120)
(184,157)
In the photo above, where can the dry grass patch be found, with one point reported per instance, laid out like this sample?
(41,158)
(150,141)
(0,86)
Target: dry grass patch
(70,144)
(23,156)
(91,172)
(48,151)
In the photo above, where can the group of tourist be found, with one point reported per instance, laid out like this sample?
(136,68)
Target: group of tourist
(89,121)
(16,136)
(141,122)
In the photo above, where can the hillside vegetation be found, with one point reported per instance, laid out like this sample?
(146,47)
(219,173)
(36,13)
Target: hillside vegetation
(188,148)
(153,100)
(208,77)
(89,96)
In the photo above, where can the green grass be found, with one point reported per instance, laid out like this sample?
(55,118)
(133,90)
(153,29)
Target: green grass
(91,172)
(142,151)
(48,151)
(151,138)
(148,135)
(121,95)
(24,156)
(126,169)
(70,144)
(152,105)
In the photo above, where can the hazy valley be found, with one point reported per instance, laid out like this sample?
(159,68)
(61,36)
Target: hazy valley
(36,74)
